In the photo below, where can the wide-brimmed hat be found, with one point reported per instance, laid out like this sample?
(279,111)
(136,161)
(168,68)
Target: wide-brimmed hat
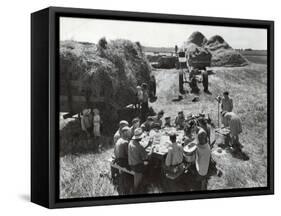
(138,134)
(123,122)
(189,148)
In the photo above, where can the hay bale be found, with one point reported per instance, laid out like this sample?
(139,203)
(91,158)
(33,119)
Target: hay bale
(167,62)
(112,71)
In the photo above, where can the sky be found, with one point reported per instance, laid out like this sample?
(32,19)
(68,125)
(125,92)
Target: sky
(157,34)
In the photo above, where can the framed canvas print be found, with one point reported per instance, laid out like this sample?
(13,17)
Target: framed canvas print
(139,107)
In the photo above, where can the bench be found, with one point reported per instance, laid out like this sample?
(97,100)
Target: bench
(119,168)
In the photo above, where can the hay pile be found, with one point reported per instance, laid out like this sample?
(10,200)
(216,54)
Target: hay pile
(167,62)
(213,52)
(107,69)
(223,54)
(197,55)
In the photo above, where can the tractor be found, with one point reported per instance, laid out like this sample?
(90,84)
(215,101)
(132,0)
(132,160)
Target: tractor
(193,71)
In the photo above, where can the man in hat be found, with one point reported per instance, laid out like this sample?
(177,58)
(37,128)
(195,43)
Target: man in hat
(226,102)
(146,126)
(138,158)
(135,125)
(117,135)
(180,121)
(121,158)
(233,122)
(121,147)
(167,121)
(87,122)
(158,117)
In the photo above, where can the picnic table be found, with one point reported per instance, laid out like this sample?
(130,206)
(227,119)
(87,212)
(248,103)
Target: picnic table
(160,141)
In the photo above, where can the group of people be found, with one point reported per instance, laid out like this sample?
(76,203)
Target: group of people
(129,152)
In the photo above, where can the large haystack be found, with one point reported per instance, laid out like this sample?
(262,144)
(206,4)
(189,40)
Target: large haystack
(223,54)
(110,70)
(197,55)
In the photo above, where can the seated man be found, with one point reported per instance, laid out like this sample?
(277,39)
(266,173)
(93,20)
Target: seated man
(135,125)
(117,135)
(146,126)
(233,122)
(138,158)
(158,117)
(121,147)
(174,157)
(180,121)
(167,122)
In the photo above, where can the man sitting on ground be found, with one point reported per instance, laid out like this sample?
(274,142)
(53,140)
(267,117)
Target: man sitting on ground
(180,121)
(117,135)
(138,158)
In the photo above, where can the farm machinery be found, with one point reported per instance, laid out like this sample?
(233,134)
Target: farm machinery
(193,70)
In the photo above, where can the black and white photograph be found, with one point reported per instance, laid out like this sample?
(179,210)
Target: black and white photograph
(160,108)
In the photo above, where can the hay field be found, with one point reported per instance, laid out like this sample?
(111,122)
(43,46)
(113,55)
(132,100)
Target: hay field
(247,87)
(85,173)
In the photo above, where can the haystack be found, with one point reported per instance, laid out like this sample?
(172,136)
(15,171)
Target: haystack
(111,71)
(197,55)
(213,52)
(223,54)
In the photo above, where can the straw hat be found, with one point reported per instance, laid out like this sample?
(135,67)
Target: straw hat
(123,123)
(189,148)
(138,134)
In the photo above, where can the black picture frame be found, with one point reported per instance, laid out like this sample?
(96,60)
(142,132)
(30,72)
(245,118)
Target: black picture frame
(45,106)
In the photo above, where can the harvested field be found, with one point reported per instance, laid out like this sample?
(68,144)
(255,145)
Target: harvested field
(85,174)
